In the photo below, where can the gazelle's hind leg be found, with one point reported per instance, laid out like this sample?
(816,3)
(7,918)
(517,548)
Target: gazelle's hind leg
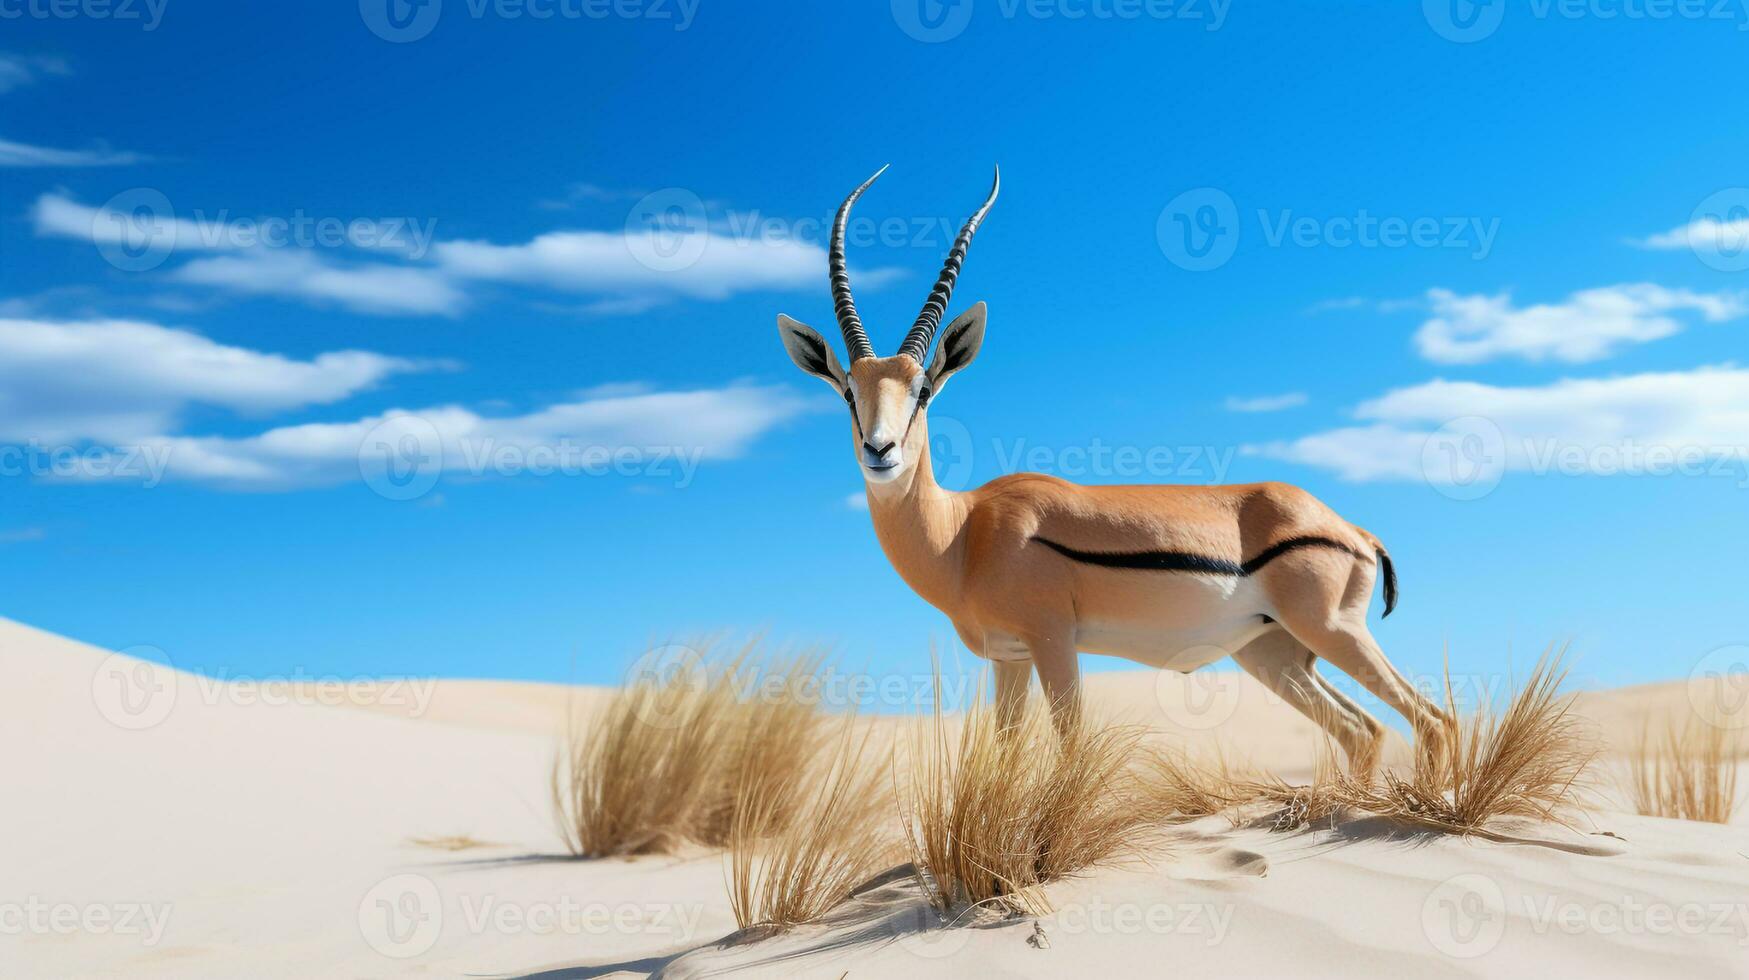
(1285,666)
(1324,606)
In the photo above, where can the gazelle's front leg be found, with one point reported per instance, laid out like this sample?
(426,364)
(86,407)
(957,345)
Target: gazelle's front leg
(1013,679)
(1059,674)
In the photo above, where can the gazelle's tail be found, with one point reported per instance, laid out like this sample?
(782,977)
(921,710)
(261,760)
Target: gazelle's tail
(1389,570)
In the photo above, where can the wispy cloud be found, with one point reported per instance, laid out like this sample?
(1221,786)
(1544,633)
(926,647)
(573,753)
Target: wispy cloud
(122,380)
(1587,326)
(13,154)
(119,393)
(1267,403)
(19,70)
(1628,424)
(363,287)
(22,535)
(620,267)
(1367,303)
(1703,234)
(664,434)
(583,193)
(616,273)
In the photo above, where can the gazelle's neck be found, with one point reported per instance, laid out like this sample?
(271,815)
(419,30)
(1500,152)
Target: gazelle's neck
(918,524)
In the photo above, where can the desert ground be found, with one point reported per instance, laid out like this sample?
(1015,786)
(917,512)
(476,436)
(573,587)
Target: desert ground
(160,824)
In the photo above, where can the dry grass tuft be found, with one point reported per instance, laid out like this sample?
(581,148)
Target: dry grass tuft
(1524,760)
(801,840)
(775,733)
(1188,789)
(657,766)
(991,816)
(1689,774)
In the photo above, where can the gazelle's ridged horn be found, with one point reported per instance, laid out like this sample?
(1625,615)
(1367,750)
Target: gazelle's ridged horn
(855,338)
(923,331)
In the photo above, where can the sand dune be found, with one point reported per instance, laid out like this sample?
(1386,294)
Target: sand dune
(161,824)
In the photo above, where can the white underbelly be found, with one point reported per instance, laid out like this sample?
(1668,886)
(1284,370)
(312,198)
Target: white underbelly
(1191,622)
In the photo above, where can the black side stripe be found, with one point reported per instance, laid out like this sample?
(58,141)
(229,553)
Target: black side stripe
(1181,561)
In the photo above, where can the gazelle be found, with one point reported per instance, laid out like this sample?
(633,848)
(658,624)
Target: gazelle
(1033,570)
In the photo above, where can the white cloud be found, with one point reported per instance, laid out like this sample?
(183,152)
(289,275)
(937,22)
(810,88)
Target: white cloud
(1707,234)
(13,154)
(1266,403)
(1586,326)
(59,216)
(364,287)
(1631,424)
(23,535)
(18,70)
(622,273)
(857,500)
(631,269)
(1366,303)
(657,434)
(120,380)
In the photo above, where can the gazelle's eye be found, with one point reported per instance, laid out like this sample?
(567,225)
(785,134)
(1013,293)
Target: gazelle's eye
(849,398)
(923,396)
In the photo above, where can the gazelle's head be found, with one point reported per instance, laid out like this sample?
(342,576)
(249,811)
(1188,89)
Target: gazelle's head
(889,396)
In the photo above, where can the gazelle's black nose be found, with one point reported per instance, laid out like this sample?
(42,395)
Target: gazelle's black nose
(878,452)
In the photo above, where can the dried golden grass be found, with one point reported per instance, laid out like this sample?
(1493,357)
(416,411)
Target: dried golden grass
(1525,759)
(1688,774)
(1186,788)
(803,839)
(658,765)
(991,816)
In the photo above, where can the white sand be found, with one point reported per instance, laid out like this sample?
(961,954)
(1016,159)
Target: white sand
(237,835)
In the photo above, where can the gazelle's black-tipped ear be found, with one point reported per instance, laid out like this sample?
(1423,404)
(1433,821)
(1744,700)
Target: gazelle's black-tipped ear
(958,346)
(810,351)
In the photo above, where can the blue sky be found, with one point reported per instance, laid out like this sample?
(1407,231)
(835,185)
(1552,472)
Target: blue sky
(235,242)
